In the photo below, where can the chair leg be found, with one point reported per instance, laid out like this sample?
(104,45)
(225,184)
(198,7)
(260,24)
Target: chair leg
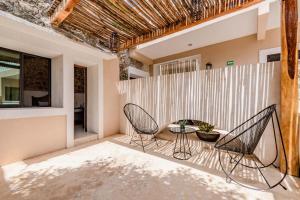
(131,138)
(265,179)
(155,140)
(142,143)
(236,164)
(233,159)
(228,179)
(283,186)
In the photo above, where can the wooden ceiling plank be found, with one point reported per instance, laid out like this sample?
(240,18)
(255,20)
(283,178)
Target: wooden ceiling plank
(137,14)
(156,4)
(108,19)
(167,10)
(106,15)
(134,15)
(150,13)
(179,15)
(181,6)
(118,13)
(137,21)
(110,27)
(182,26)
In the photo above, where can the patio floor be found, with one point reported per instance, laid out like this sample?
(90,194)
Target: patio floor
(113,169)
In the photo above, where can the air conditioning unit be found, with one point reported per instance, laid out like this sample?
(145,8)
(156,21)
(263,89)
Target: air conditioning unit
(134,73)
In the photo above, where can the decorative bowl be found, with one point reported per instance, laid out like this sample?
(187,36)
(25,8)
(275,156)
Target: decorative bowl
(208,137)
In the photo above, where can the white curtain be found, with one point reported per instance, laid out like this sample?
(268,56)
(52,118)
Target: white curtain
(224,97)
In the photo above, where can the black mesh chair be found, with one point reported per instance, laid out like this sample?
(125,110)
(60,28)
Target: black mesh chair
(239,145)
(142,123)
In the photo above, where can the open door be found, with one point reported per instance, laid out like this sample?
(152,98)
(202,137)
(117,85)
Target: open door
(80,100)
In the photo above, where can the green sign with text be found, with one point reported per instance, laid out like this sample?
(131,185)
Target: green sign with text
(230,63)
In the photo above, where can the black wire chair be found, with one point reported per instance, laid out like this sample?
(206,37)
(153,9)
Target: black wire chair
(240,144)
(142,123)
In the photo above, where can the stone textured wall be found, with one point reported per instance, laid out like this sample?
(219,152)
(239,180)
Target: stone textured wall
(126,61)
(35,11)
(79,79)
(36,73)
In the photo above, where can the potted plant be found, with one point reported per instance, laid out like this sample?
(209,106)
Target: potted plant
(206,132)
(182,124)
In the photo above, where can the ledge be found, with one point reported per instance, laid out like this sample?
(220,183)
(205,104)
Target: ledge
(17,113)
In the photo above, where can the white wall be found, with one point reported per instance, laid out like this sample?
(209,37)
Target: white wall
(68,96)
(93,96)
(57,81)
(112,110)
(20,35)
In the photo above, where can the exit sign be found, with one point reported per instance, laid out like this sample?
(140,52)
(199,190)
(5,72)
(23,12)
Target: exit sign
(230,63)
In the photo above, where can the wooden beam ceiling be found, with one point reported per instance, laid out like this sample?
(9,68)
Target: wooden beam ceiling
(61,10)
(139,21)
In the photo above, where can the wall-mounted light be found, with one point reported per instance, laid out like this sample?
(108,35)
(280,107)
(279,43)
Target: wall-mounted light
(114,43)
(208,66)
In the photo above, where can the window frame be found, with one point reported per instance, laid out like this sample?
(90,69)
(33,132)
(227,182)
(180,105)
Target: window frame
(21,80)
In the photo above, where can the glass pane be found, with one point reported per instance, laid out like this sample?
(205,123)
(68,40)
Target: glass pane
(9,78)
(273,57)
(36,81)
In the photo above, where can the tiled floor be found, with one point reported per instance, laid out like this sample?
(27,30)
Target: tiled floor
(113,169)
(82,136)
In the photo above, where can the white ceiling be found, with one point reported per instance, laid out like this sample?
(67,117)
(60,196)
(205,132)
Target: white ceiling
(239,24)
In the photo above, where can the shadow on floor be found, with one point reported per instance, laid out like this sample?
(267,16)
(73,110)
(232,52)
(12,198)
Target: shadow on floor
(206,158)
(112,169)
(82,176)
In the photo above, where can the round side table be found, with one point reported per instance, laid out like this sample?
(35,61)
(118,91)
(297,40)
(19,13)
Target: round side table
(182,149)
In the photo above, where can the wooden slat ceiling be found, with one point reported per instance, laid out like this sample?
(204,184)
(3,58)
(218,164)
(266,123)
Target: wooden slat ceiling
(139,21)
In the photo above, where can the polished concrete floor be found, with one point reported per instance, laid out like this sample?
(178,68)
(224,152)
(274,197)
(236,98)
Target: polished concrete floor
(79,132)
(113,169)
(81,136)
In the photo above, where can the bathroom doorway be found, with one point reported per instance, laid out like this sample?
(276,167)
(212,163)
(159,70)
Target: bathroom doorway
(80,101)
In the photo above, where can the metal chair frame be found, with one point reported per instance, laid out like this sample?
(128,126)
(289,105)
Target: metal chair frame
(259,165)
(138,130)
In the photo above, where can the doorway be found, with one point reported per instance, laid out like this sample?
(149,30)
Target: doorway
(80,101)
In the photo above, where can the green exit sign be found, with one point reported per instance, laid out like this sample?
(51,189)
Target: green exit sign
(230,63)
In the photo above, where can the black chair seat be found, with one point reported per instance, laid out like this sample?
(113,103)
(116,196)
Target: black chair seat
(236,145)
(141,121)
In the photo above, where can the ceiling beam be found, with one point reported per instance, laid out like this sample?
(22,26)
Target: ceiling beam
(62,11)
(262,20)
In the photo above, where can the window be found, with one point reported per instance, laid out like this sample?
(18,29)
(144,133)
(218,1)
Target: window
(10,66)
(36,83)
(24,80)
(273,57)
(276,57)
(187,64)
(12,94)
